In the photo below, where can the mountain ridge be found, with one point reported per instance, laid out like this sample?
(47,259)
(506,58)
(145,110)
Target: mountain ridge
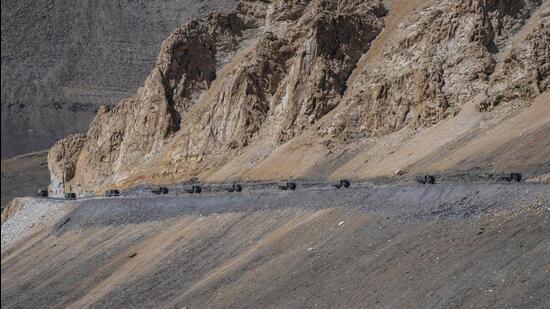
(272,77)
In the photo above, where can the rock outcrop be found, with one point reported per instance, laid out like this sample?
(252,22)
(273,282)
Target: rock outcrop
(271,71)
(11,209)
(442,60)
(524,71)
(62,159)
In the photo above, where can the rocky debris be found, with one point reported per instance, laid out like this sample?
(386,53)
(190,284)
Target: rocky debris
(400,172)
(259,243)
(25,215)
(270,71)
(541,178)
(11,209)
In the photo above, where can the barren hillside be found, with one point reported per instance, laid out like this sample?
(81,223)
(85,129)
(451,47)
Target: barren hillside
(450,245)
(328,89)
(376,92)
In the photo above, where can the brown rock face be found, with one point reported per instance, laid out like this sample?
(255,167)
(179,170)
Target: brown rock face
(62,160)
(272,71)
(11,209)
(525,70)
(440,61)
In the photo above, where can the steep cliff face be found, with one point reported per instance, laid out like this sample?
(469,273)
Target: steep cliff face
(441,60)
(272,72)
(524,70)
(62,159)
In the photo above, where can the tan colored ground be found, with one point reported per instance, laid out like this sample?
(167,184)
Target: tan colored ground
(400,9)
(518,141)
(501,141)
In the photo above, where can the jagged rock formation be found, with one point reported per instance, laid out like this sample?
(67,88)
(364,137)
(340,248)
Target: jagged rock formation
(525,70)
(271,72)
(442,60)
(62,159)
(62,59)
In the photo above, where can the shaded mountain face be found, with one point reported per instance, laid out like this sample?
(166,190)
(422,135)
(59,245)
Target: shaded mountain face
(276,83)
(23,176)
(61,60)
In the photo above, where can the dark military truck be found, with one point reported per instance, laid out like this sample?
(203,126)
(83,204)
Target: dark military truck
(42,193)
(344,183)
(234,188)
(513,177)
(284,186)
(426,179)
(160,190)
(194,189)
(112,193)
(70,196)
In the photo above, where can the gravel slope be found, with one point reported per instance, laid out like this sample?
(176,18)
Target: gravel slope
(379,246)
(30,216)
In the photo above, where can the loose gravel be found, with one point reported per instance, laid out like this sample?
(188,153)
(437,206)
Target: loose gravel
(33,214)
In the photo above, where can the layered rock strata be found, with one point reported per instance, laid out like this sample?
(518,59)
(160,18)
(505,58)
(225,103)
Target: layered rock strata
(271,71)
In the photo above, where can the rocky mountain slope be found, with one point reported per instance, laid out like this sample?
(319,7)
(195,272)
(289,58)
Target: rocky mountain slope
(61,60)
(279,89)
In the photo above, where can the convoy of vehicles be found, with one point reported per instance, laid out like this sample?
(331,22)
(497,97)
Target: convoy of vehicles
(283,186)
